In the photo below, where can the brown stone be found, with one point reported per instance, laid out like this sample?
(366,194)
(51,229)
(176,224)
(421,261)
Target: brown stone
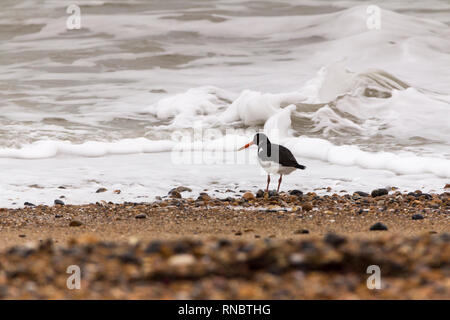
(248,196)
(75,223)
(307,206)
(204,197)
(175,194)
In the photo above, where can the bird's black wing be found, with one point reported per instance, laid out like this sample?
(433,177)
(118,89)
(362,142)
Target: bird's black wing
(279,154)
(287,159)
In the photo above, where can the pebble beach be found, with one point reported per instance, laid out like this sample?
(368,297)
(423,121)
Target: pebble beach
(246,245)
(136,138)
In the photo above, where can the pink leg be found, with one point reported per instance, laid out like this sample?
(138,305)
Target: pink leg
(279,182)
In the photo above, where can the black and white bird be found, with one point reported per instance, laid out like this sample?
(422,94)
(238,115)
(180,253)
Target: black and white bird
(274,158)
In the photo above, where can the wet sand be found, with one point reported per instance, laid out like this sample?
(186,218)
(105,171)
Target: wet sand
(287,246)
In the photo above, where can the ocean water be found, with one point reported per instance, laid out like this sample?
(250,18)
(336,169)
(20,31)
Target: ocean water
(148,95)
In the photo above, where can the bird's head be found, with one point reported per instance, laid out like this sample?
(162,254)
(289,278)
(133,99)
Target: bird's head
(258,139)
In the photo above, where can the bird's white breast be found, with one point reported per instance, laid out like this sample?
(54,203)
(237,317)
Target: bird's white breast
(273,167)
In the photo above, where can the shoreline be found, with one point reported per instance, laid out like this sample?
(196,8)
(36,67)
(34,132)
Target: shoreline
(248,247)
(75,180)
(351,214)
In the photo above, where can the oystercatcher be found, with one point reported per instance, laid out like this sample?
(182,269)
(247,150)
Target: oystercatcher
(274,158)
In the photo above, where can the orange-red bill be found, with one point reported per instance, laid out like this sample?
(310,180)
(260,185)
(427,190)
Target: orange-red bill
(246,146)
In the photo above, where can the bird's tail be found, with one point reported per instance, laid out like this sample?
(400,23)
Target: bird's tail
(299,166)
